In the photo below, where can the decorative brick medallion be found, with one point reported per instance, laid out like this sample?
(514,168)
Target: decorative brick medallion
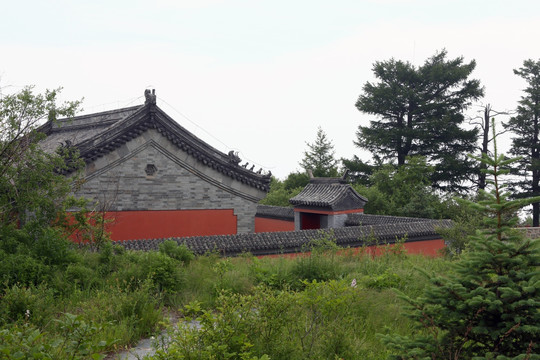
(151,169)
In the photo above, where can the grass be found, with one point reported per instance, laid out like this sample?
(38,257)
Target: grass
(123,297)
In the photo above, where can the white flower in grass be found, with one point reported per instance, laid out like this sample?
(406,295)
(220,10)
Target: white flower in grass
(353,283)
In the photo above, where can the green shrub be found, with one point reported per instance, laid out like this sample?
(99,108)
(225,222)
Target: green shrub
(27,304)
(382,281)
(165,272)
(21,269)
(53,249)
(110,257)
(272,274)
(14,240)
(313,267)
(81,276)
(140,309)
(176,251)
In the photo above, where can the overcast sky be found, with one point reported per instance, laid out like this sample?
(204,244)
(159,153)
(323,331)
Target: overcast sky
(258,77)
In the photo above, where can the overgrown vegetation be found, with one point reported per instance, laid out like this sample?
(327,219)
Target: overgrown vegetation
(97,302)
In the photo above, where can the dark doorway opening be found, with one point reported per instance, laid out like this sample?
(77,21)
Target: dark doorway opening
(310,221)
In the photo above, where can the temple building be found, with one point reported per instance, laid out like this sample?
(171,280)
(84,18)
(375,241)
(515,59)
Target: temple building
(154,178)
(156,181)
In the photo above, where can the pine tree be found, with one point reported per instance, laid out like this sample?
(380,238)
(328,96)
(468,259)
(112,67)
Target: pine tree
(488,308)
(320,157)
(419,111)
(526,125)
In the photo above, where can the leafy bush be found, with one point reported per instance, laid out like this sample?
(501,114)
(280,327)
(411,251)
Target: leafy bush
(313,267)
(110,257)
(34,304)
(176,251)
(219,335)
(319,264)
(81,276)
(21,269)
(52,248)
(382,281)
(165,272)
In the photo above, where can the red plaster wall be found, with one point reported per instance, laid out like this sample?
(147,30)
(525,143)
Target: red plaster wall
(426,247)
(133,225)
(271,225)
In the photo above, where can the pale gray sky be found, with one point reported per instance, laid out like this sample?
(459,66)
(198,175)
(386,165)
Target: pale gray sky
(261,76)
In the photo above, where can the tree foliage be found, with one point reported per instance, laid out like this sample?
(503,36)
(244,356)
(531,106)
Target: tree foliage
(281,191)
(35,195)
(359,170)
(32,188)
(419,112)
(403,191)
(319,158)
(488,307)
(526,126)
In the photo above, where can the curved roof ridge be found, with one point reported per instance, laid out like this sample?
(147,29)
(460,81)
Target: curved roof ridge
(147,116)
(325,194)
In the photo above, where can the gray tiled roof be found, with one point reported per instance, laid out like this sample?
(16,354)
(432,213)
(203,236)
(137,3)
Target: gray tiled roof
(329,193)
(297,241)
(275,212)
(98,134)
(81,128)
(360,219)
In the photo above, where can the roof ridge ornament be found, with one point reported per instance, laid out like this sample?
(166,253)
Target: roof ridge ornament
(234,158)
(150,96)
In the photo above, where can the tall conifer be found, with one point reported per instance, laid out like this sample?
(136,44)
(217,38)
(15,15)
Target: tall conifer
(526,126)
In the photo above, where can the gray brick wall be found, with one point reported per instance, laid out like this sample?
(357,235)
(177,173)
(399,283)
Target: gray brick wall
(531,232)
(119,181)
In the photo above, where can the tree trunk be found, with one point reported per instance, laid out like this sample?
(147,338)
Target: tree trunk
(405,141)
(535,164)
(400,147)
(485,141)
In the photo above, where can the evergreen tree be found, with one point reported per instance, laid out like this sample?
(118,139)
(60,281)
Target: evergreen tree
(526,125)
(360,171)
(489,307)
(320,157)
(419,112)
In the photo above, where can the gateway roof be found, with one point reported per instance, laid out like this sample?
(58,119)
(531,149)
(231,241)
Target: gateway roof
(331,193)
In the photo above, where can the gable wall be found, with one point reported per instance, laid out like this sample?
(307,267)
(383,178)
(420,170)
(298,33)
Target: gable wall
(118,181)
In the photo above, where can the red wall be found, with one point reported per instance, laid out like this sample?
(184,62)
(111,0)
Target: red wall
(133,225)
(271,225)
(426,247)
